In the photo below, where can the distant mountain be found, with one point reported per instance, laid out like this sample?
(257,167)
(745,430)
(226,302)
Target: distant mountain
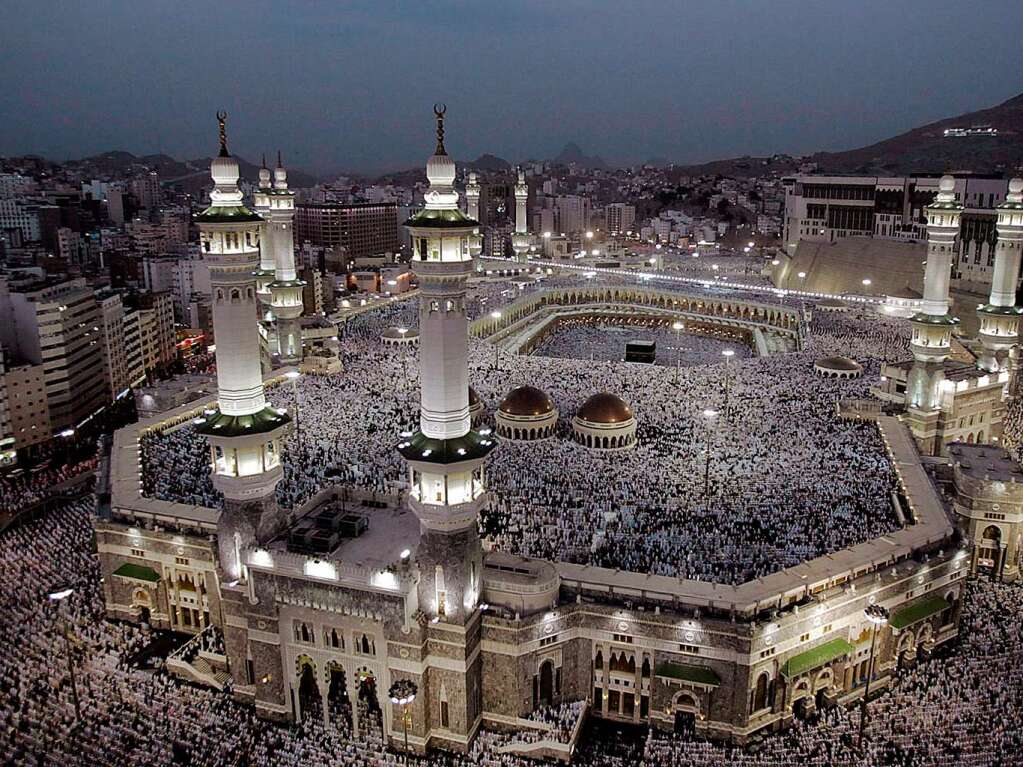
(192,176)
(489,162)
(573,155)
(922,150)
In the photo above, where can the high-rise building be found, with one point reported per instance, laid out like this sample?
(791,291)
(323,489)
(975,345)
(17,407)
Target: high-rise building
(362,229)
(573,213)
(28,415)
(57,324)
(620,217)
(115,351)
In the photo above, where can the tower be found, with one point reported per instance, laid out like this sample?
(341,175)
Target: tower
(244,432)
(999,318)
(286,289)
(472,209)
(265,273)
(445,457)
(931,342)
(520,239)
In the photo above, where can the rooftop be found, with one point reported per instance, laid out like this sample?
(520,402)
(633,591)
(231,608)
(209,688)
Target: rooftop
(985,462)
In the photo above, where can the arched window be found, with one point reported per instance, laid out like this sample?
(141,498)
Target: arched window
(598,662)
(646,668)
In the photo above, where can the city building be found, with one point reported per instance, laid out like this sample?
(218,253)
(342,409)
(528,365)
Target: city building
(361,229)
(619,217)
(28,413)
(56,324)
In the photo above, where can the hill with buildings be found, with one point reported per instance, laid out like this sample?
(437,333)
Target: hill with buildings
(986,141)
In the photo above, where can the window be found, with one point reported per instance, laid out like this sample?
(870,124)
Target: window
(623,638)
(138,553)
(181,560)
(768,652)
(805,637)
(548,640)
(690,649)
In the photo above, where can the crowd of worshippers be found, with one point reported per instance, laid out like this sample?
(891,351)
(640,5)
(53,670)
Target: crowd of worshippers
(774,479)
(28,487)
(962,707)
(584,338)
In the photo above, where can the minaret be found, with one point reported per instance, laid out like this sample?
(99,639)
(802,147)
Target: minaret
(265,272)
(286,289)
(999,318)
(472,209)
(520,239)
(931,342)
(445,456)
(244,432)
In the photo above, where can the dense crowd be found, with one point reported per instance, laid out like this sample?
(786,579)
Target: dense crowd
(961,708)
(606,342)
(28,487)
(775,478)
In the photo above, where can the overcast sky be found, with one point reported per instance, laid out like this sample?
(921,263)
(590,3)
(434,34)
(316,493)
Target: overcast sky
(343,84)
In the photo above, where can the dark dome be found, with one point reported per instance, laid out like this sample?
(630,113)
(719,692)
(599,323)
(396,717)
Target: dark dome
(526,401)
(604,408)
(838,363)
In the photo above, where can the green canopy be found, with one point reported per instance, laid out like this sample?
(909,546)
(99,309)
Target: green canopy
(137,572)
(918,611)
(816,657)
(695,674)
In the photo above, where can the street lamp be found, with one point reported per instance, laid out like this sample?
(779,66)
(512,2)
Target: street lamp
(293,375)
(402,693)
(709,416)
(866,283)
(678,327)
(877,616)
(497,348)
(727,354)
(57,597)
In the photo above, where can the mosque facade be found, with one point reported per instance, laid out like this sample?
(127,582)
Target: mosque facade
(483,638)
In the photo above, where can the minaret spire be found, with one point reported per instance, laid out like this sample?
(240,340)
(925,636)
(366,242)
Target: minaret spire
(446,456)
(438,111)
(222,121)
(1000,317)
(244,432)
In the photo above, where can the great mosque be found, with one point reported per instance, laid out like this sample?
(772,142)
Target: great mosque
(325,608)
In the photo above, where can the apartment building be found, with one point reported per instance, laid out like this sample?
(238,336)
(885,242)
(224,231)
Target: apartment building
(361,229)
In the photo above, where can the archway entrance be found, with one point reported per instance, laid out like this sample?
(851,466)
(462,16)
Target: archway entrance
(990,548)
(309,699)
(546,683)
(339,705)
(370,715)
(144,615)
(685,722)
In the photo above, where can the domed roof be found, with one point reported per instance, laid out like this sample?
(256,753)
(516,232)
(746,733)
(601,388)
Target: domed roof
(838,363)
(604,407)
(526,401)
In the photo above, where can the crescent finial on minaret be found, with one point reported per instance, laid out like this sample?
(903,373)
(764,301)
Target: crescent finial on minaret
(439,110)
(222,120)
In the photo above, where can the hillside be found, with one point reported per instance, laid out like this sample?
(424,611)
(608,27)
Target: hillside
(191,176)
(922,150)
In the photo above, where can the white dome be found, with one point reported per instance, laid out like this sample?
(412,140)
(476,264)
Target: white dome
(1016,189)
(947,184)
(264,176)
(280,177)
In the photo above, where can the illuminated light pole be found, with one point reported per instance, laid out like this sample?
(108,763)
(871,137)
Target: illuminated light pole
(878,618)
(403,693)
(496,315)
(709,416)
(727,354)
(293,376)
(57,597)
(678,327)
